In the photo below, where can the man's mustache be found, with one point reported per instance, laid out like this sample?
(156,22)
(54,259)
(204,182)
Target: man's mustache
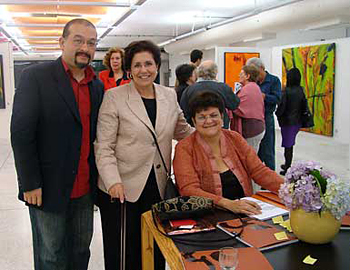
(83,54)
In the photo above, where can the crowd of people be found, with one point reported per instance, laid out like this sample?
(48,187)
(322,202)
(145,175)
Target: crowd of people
(79,141)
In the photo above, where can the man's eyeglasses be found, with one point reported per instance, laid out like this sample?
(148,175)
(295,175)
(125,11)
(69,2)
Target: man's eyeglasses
(92,43)
(213,117)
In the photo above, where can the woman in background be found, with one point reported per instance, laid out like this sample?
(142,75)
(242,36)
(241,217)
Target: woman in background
(289,114)
(131,170)
(248,118)
(217,163)
(185,75)
(115,74)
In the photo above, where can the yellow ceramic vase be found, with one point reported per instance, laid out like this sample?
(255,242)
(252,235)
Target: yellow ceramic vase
(313,228)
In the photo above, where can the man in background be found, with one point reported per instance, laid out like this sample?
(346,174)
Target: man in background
(207,73)
(53,128)
(196,57)
(270,86)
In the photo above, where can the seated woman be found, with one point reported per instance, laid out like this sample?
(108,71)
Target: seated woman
(219,164)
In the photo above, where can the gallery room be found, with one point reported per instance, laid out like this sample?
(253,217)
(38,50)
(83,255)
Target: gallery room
(43,129)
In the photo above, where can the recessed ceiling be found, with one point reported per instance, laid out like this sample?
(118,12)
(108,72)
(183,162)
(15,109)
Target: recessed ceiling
(34,26)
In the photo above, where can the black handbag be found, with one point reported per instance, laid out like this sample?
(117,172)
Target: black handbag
(307,119)
(171,190)
(182,207)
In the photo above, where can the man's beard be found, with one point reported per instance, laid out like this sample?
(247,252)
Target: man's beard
(81,65)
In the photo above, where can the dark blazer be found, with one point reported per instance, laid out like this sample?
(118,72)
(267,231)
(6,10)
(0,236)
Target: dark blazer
(292,106)
(46,133)
(231,101)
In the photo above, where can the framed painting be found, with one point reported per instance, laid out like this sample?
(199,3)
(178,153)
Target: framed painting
(2,88)
(234,61)
(317,67)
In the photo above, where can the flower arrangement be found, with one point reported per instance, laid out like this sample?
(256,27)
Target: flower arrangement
(308,186)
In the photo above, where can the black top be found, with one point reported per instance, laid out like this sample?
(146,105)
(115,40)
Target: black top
(292,106)
(151,108)
(231,188)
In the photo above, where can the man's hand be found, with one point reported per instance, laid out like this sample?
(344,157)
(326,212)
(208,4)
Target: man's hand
(263,95)
(33,196)
(117,191)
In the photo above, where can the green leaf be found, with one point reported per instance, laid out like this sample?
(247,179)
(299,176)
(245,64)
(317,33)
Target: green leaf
(321,181)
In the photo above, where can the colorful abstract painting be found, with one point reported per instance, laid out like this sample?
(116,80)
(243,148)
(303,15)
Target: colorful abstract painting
(317,67)
(234,62)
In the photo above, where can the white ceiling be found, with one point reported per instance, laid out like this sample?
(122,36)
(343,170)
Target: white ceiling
(174,23)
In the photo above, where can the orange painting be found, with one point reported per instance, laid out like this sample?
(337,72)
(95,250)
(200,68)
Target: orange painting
(234,61)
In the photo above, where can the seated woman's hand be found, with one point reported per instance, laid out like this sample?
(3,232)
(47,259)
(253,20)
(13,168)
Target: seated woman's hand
(117,191)
(240,206)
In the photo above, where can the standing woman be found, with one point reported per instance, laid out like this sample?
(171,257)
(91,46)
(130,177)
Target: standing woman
(115,74)
(185,75)
(130,167)
(248,118)
(289,114)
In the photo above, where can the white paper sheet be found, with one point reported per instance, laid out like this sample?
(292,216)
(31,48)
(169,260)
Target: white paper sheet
(267,210)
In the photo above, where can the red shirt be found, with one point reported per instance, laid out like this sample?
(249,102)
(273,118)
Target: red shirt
(82,96)
(106,76)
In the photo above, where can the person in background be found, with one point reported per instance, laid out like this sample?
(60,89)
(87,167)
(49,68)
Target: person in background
(217,163)
(185,75)
(130,167)
(207,73)
(289,113)
(53,128)
(270,86)
(248,118)
(196,57)
(115,74)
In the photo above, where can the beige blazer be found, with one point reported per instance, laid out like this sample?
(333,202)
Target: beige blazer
(124,147)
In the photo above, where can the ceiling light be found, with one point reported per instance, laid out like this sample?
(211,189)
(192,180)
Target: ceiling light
(340,21)
(260,37)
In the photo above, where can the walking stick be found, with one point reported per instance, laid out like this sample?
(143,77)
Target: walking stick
(122,235)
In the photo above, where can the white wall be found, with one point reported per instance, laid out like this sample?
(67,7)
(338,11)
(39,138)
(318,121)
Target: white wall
(342,81)
(5,114)
(176,59)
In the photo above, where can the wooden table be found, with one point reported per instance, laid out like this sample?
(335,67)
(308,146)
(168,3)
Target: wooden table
(166,245)
(334,255)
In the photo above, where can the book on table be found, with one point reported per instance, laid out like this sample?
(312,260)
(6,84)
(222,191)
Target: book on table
(345,222)
(248,258)
(267,210)
(257,233)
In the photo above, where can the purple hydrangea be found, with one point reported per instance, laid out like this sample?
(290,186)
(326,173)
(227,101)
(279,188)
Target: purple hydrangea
(301,190)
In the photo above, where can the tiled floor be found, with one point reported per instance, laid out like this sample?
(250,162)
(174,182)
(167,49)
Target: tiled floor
(15,233)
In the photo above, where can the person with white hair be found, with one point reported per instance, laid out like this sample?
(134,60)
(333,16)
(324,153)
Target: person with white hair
(270,86)
(207,72)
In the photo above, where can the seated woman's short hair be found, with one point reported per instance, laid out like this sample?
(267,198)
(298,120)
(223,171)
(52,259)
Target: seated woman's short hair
(203,101)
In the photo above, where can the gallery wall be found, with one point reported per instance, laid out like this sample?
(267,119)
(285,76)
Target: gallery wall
(5,114)
(341,128)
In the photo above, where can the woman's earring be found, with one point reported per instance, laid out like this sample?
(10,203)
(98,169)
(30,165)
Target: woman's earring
(130,76)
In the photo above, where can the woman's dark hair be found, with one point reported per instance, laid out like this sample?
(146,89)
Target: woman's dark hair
(107,58)
(293,77)
(184,72)
(252,71)
(203,101)
(141,46)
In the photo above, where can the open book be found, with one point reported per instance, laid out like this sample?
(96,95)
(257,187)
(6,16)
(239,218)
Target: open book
(267,210)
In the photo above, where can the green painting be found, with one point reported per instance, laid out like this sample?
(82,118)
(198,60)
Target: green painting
(317,67)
